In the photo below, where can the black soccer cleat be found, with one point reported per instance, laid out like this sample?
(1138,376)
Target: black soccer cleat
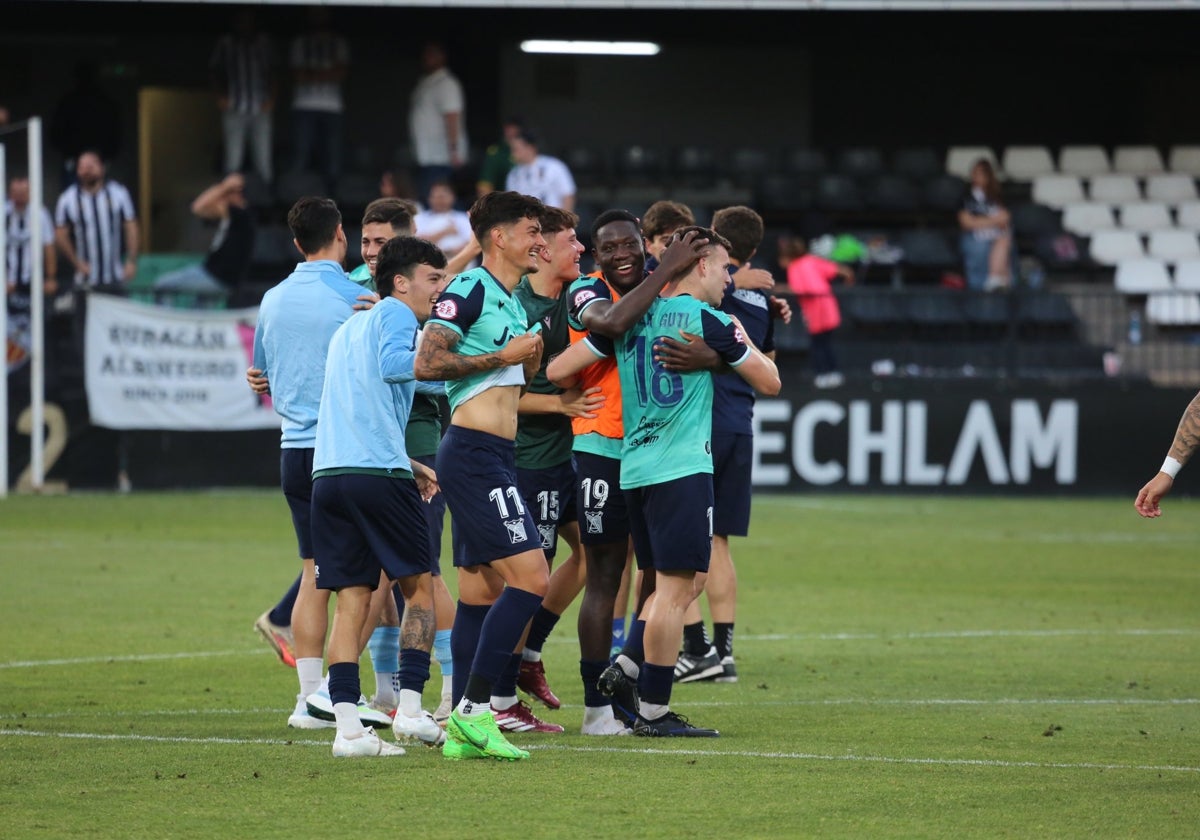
(671,725)
(615,684)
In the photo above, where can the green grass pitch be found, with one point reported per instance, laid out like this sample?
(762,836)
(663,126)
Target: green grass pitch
(910,667)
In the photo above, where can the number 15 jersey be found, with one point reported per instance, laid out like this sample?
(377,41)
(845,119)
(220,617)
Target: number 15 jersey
(668,415)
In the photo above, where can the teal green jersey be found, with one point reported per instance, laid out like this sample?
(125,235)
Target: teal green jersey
(544,440)
(487,316)
(424,430)
(668,415)
(362,276)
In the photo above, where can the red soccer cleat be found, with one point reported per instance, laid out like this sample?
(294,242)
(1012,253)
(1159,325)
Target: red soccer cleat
(532,680)
(520,718)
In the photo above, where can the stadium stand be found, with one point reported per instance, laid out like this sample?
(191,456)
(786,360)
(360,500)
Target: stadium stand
(1083,161)
(1172,245)
(1024,163)
(1109,247)
(960,159)
(1172,188)
(1114,189)
(1057,191)
(1142,275)
(1144,216)
(1138,160)
(1087,217)
(1184,159)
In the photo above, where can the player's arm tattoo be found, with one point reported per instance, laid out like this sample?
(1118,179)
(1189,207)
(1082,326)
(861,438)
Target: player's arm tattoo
(436,358)
(1187,436)
(418,627)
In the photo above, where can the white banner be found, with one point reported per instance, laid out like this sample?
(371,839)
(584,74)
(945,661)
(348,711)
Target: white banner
(154,367)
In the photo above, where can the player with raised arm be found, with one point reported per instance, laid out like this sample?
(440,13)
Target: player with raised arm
(666,461)
(478,342)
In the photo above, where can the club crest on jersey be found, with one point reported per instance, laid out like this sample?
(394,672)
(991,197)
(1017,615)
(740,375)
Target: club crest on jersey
(739,336)
(516,530)
(446,309)
(595,521)
(583,296)
(546,322)
(547,532)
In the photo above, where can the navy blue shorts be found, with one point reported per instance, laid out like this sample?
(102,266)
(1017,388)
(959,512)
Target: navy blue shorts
(732,457)
(600,501)
(672,524)
(364,524)
(478,475)
(435,518)
(295,477)
(549,494)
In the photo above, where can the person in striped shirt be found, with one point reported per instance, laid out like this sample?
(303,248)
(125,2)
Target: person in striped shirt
(18,218)
(96,227)
(243,79)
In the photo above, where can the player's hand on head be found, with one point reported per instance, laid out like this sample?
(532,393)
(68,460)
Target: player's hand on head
(682,253)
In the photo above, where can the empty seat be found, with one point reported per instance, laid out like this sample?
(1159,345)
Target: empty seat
(1109,247)
(1173,245)
(588,165)
(273,248)
(1145,216)
(290,187)
(1187,275)
(640,165)
(893,193)
(1087,217)
(1084,161)
(961,159)
(694,166)
(1060,250)
(1173,309)
(1043,313)
(936,311)
(1187,215)
(749,164)
(839,193)
(1142,275)
(1185,159)
(1114,189)
(875,310)
(1024,163)
(988,313)
(258,192)
(784,192)
(860,161)
(1173,189)
(1058,191)
(353,191)
(917,162)
(1031,220)
(928,249)
(944,193)
(1137,160)
(808,163)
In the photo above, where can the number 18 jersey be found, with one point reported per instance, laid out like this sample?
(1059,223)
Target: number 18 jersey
(668,415)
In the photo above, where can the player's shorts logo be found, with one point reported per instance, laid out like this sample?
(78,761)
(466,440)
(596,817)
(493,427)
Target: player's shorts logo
(595,521)
(317,572)
(447,310)
(548,535)
(583,296)
(516,530)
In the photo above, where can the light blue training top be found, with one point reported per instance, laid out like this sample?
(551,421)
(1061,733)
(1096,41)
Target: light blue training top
(296,320)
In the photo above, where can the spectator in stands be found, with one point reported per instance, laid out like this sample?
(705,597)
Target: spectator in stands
(497,160)
(437,120)
(545,178)
(96,227)
(809,278)
(86,117)
(319,60)
(243,79)
(18,217)
(224,269)
(1183,447)
(440,223)
(986,232)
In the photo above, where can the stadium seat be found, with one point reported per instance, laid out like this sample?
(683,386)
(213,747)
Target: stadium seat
(694,166)
(640,165)
(1087,217)
(1109,247)
(944,193)
(748,165)
(960,160)
(839,193)
(784,192)
(937,313)
(806,163)
(1145,216)
(1173,245)
(257,191)
(1172,189)
(1137,160)
(1114,189)
(290,187)
(1083,161)
(892,193)
(353,191)
(273,251)
(1184,159)
(1173,309)
(588,165)
(1024,163)
(1060,250)
(928,249)
(988,314)
(1044,314)
(1187,275)
(860,162)
(1187,215)
(1141,275)
(875,311)
(1030,220)
(917,162)
(1058,191)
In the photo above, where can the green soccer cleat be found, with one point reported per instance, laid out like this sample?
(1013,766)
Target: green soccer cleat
(461,750)
(482,733)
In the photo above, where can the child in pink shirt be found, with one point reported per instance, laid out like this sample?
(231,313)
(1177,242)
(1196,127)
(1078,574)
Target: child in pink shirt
(809,278)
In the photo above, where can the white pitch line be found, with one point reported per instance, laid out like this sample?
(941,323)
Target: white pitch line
(133,657)
(650,751)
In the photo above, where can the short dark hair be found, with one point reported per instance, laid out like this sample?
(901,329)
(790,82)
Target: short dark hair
(314,222)
(743,227)
(527,134)
(666,217)
(499,208)
(555,220)
(711,235)
(401,255)
(397,212)
(614,215)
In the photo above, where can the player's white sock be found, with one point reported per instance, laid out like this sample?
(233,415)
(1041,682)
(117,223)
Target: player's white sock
(385,694)
(308,670)
(499,704)
(528,655)
(652,711)
(348,723)
(409,702)
(468,709)
(627,665)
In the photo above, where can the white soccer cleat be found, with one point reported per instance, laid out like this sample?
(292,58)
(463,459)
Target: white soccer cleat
(423,729)
(301,719)
(368,745)
(320,706)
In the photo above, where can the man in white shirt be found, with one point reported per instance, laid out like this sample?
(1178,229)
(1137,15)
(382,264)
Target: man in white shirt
(441,224)
(545,178)
(437,120)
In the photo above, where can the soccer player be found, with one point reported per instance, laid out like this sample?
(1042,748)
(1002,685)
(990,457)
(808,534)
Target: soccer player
(666,465)
(367,496)
(478,342)
(545,472)
(1187,439)
(296,320)
(608,303)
